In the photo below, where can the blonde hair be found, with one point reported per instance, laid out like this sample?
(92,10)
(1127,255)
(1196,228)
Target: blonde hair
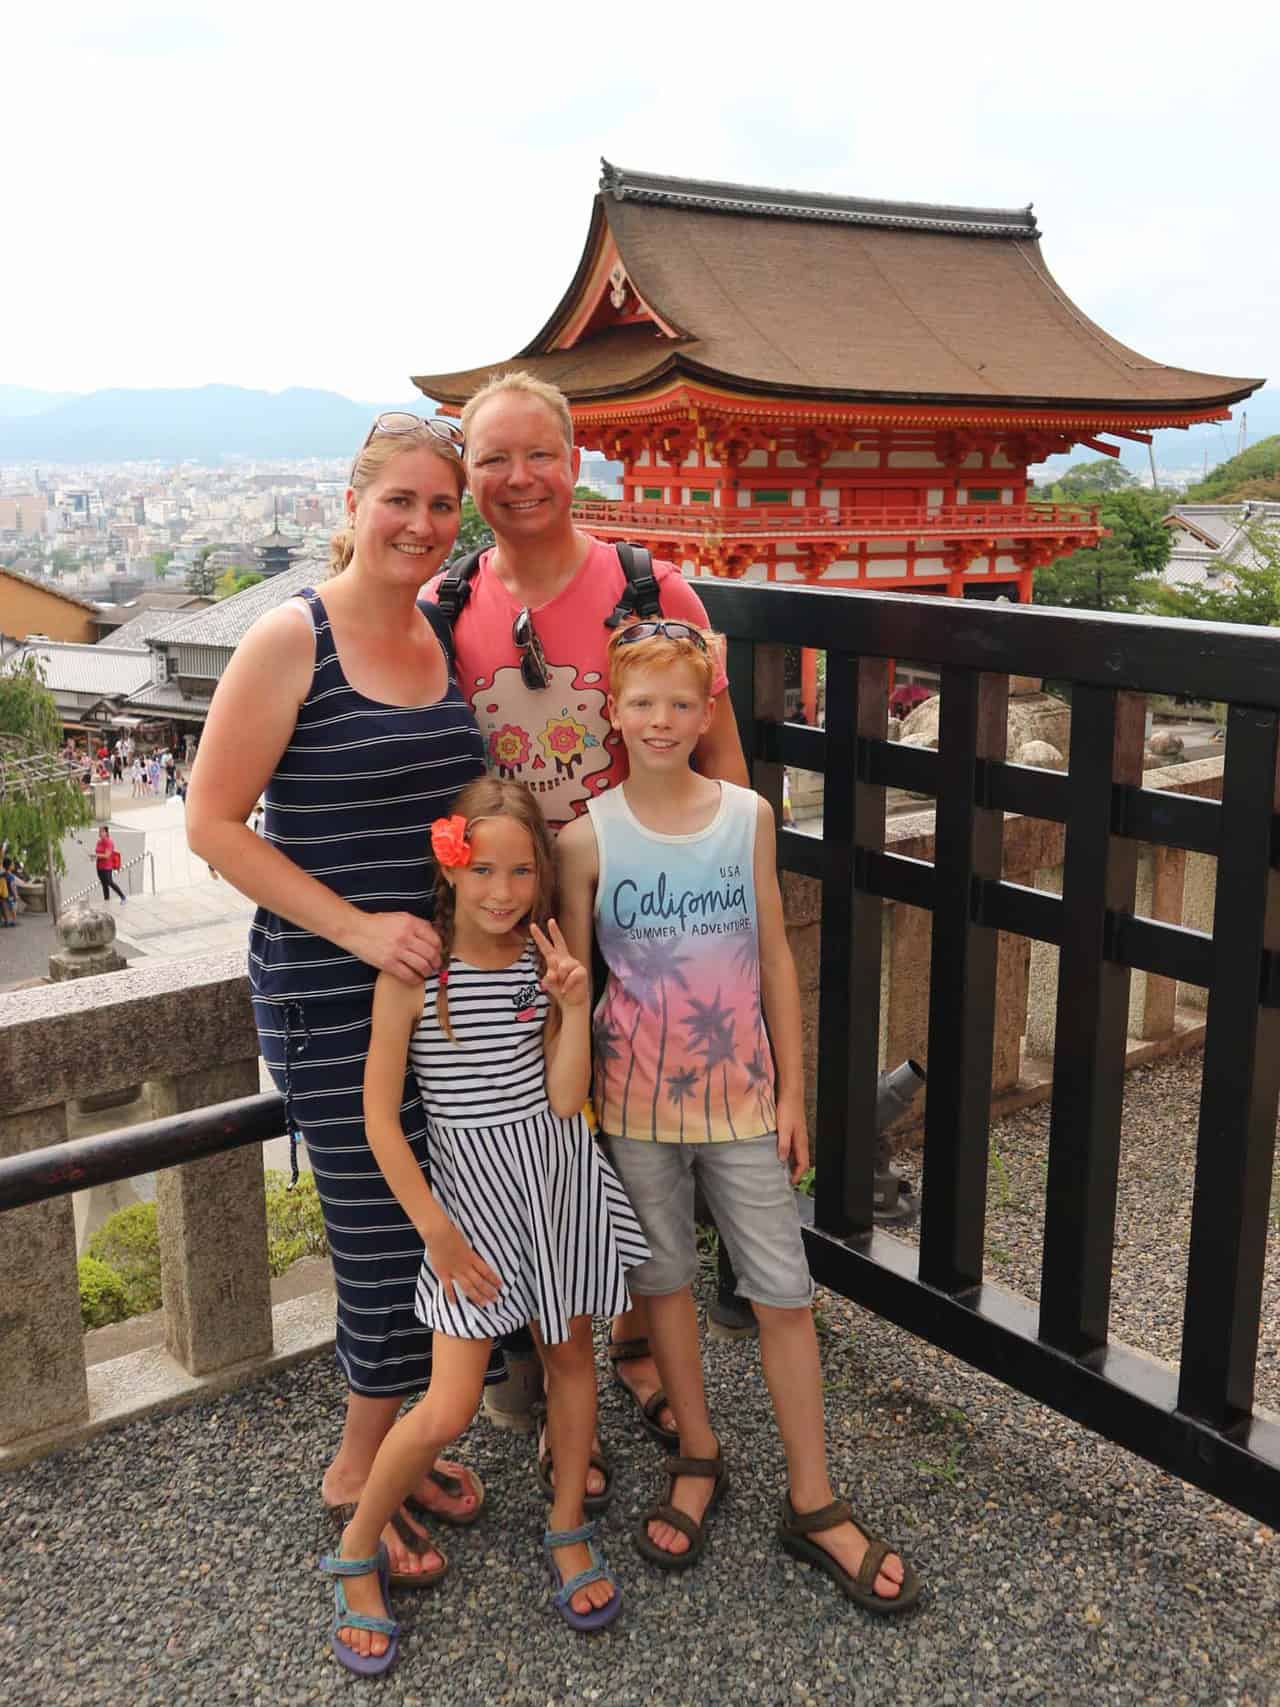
(520,384)
(490,797)
(381,449)
(660,652)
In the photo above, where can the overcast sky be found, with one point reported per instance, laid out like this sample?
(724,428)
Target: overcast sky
(301,194)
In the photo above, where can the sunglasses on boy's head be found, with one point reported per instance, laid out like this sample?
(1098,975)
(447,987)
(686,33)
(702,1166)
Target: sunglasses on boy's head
(393,421)
(670,630)
(534,672)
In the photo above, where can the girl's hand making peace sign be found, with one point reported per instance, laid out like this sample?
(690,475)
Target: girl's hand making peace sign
(565,979)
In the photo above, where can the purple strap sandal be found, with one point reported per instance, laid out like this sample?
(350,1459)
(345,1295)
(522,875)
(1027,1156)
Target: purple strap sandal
(363,1665)
(599,1616)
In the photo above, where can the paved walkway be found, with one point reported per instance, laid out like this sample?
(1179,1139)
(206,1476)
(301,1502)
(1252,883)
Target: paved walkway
(173,1562)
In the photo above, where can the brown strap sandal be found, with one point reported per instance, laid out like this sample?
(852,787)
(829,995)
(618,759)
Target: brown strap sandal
(454,1487)
(591,1503)
(711,1469)
(794,1532)
(631,1351)
(341,1515)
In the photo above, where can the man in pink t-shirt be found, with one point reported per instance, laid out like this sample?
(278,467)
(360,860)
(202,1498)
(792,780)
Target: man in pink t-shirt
(542,595)
(557,738)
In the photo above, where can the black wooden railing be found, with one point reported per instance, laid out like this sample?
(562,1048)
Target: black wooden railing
(1198,1421)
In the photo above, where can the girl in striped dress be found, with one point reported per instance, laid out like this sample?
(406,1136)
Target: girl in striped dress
(523,1219)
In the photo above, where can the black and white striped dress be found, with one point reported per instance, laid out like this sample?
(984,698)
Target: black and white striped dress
(532,1193)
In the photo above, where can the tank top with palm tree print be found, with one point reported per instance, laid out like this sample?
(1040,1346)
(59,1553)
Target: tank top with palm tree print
(679,1046)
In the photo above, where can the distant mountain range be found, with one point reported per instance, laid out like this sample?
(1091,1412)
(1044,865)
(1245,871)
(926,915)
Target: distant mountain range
(204,423)
(208,423)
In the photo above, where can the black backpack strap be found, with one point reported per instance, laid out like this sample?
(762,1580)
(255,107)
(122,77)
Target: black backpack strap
(455,589)
(442,628)
(641,597)
(451,597)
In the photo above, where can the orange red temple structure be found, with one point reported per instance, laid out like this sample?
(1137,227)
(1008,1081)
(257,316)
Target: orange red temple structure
(825,389)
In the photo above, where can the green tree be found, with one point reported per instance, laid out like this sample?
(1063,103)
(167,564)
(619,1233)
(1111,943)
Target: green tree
(39,799)
(1116,574)
(1261,462)
(63,559)
(474,533)
(161,559)
(1085,482)
(1254,597)
(234,580)
(200,577)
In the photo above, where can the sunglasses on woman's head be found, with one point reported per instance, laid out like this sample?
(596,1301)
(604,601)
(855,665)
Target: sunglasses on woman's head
(669,630)
(394,421)
(534,672)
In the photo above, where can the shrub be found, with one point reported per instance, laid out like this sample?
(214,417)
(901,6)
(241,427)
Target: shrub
(129,1243)
(103,1296)
(295,1222)
(120,1271)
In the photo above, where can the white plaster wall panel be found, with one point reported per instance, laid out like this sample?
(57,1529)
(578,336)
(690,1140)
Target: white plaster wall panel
(789,459)
(973,460)
(853,459)
(1006,494)
(1004,561)
(642,461)
(885,567)
(929,566)
(913,459)
(744,498)
(1000,460)
(933,495)
(797,496)
(691,461)
(756,459)
(829,495)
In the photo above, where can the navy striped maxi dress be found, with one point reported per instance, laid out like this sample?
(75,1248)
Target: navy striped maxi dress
(351,802)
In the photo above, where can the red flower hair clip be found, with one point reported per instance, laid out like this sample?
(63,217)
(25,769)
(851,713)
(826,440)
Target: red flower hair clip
(449,841)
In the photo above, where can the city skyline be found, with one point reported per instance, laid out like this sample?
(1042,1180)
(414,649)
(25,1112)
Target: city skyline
(290,196)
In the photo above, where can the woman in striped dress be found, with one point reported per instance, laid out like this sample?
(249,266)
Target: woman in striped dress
(523,1219)
(339,709)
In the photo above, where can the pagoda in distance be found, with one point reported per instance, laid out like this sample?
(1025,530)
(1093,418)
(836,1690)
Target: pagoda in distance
(815,389)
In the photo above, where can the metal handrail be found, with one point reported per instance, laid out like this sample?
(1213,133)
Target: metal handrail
(79,1163)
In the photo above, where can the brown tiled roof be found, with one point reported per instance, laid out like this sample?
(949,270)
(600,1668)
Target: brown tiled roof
(775,291)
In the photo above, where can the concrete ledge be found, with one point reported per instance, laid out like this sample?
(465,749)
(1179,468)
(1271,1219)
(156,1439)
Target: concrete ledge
(148,1381)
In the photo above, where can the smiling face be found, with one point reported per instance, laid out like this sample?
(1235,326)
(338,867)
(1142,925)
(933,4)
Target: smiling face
(661,711)
(520,469)
(406,519)
(498,889)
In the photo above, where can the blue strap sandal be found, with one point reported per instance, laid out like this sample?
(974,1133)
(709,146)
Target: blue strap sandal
(364,1665)
(599,1616)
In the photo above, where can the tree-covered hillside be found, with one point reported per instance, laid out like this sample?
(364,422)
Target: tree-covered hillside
(1255,473)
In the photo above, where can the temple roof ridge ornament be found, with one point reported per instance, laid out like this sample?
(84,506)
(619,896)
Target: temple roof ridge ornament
(757,199)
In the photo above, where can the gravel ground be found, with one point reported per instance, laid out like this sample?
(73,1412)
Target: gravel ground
(172,1562)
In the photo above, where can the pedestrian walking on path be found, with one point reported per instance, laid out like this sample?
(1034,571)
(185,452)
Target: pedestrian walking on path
(106,857)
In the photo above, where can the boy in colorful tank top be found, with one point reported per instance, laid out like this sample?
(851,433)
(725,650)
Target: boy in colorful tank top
(699,1079)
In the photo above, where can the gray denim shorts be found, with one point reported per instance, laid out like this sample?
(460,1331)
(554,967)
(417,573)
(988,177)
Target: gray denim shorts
(747,1190)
